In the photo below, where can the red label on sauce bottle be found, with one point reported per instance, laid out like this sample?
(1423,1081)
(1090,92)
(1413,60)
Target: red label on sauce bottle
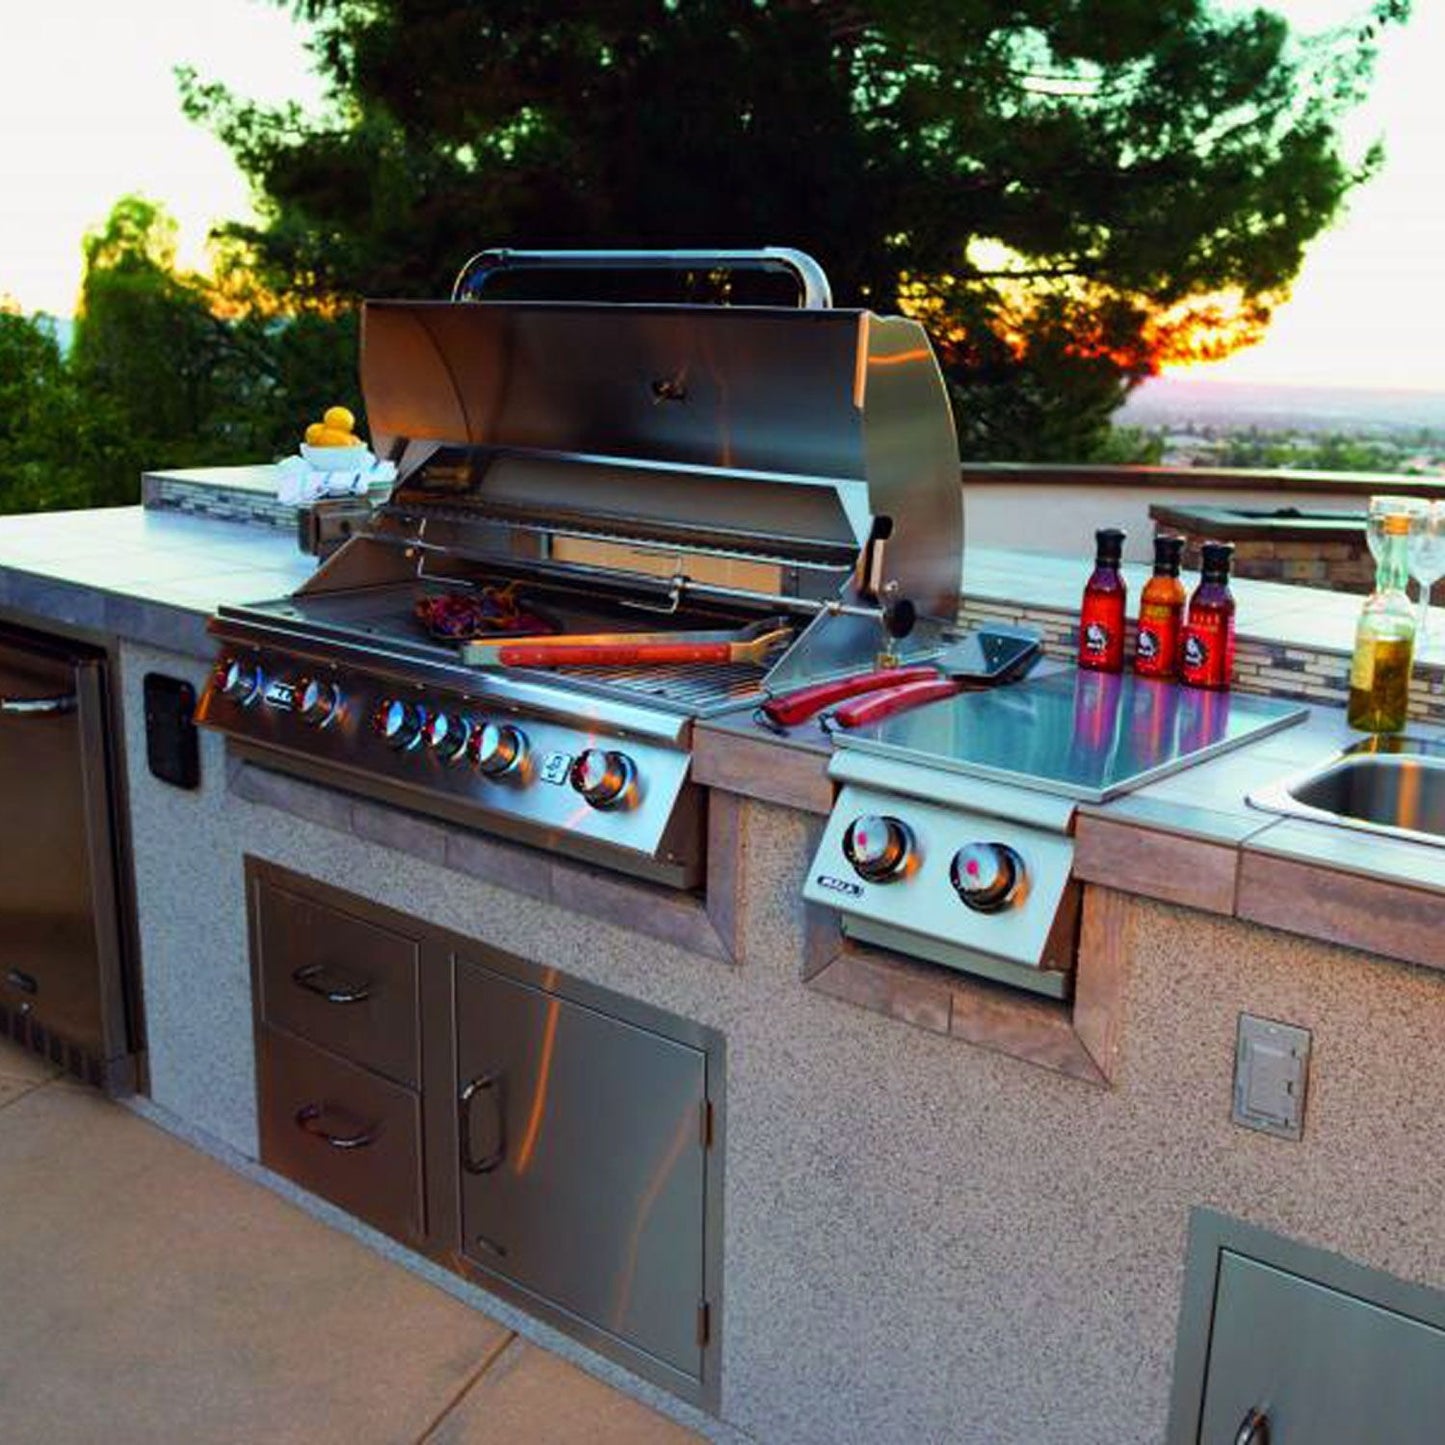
(1101,632)
(1156,652)
(1208,653)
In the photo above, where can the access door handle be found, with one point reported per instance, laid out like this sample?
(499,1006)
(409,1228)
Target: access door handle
(1253,1429)
(489,1084)
(38,706)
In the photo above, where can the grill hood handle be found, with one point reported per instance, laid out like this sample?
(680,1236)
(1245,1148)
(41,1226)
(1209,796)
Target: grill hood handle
(814,293)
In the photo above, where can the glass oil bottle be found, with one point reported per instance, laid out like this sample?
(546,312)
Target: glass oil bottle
(1384,639)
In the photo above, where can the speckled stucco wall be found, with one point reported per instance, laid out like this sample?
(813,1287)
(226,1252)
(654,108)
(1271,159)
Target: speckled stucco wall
(925,1242)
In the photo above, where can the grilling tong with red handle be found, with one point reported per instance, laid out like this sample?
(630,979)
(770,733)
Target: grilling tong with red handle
(984,658)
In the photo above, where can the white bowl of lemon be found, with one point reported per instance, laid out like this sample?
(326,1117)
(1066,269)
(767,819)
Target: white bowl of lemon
(332,446)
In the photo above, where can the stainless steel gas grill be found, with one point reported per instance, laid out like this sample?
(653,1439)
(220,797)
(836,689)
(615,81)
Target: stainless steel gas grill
(653,472)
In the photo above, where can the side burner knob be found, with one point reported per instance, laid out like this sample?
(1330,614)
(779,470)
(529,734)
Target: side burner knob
(320,701)
(989,877)
(878,848)
(448,734)
(498,748)
(602,776)
(399,724)
(240,680)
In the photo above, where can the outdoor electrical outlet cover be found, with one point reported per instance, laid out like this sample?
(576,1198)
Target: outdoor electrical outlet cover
(1271,1075)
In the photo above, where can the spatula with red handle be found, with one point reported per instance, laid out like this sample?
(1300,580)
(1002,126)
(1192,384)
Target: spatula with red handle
(792,708)
(993,654)
(642,654)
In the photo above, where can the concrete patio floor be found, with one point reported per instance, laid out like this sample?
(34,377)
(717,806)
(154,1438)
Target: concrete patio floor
(151,1296)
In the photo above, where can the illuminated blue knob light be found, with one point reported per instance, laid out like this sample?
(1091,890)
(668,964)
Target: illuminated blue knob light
(399,724)
(241,680)
(498,748)
(447,735)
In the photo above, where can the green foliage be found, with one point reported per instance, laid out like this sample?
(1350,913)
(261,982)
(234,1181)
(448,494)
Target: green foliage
(166,370)
(1047,177)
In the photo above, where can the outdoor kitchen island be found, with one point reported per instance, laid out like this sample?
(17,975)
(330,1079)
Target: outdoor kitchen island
(950,1212)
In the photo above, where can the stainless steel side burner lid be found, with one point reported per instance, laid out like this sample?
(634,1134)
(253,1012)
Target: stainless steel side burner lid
(951,838)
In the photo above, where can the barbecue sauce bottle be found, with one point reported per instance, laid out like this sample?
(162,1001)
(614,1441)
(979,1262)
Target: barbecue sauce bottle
(1161,612)
(1101,620)
(1208,654)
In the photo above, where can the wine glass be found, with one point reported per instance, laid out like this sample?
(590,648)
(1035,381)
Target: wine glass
(1427,556)
(1380,508)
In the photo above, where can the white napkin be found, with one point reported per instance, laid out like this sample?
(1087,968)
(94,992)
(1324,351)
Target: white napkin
(298,482)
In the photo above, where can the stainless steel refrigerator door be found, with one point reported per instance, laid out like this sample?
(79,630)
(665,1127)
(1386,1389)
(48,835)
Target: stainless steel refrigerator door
(59,935)
(583,1162)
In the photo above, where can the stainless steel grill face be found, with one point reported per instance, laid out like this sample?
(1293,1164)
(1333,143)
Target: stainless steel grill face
(625,468)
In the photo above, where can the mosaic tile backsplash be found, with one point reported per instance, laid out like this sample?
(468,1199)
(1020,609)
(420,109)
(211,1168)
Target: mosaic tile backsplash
(1273,668)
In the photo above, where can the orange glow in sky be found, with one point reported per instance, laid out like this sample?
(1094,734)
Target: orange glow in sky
(89,112)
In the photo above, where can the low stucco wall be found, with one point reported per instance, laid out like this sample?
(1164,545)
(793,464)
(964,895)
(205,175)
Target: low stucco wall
(924,1241)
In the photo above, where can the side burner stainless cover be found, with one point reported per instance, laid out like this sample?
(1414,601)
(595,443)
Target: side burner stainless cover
(976,794)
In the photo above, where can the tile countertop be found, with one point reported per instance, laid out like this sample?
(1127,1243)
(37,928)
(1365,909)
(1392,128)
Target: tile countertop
(143,575)
(155,576)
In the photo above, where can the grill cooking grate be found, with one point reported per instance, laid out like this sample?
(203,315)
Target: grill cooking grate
(696,685)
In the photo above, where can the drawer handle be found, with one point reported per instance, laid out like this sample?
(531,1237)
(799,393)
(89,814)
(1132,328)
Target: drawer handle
(333,987)
(1253,1429)
(309,1118)
(489,1084)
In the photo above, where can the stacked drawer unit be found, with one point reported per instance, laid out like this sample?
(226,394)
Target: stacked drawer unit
(338,1042)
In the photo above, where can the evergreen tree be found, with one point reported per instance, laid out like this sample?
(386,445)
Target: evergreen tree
(1062,189)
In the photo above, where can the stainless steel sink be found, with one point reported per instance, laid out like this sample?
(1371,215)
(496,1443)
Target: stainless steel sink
(1389,785)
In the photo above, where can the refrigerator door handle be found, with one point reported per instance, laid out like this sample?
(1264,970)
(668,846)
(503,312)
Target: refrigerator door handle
(38,706)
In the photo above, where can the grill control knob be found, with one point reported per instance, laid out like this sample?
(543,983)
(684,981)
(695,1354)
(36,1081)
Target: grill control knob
(399,724)
(240,680)
(878,848)
(989,877)
(320,701)
(498,748)
(603,776)
(447,735)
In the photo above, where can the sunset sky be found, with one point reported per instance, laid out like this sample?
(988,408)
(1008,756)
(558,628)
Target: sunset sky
(89,112)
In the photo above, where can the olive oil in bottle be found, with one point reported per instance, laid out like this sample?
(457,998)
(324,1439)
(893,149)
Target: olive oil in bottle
(1384,639)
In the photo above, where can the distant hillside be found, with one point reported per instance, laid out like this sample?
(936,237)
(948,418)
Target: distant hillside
(1178,404)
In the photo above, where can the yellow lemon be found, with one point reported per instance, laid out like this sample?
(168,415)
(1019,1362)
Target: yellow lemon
(338,418)
(313,434)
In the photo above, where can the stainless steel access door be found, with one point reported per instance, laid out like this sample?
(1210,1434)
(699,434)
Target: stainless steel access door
(582,1142)
(60,935)
(1316,1366)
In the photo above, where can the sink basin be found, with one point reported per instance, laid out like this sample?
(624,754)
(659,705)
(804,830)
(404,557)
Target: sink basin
(1394,786)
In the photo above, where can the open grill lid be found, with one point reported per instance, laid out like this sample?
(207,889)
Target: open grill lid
(818,440)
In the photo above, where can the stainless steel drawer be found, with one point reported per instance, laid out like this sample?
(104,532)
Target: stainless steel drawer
(347,985)
(341,1132)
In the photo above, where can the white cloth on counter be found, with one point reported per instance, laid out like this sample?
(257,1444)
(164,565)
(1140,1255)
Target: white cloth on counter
(298,482)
